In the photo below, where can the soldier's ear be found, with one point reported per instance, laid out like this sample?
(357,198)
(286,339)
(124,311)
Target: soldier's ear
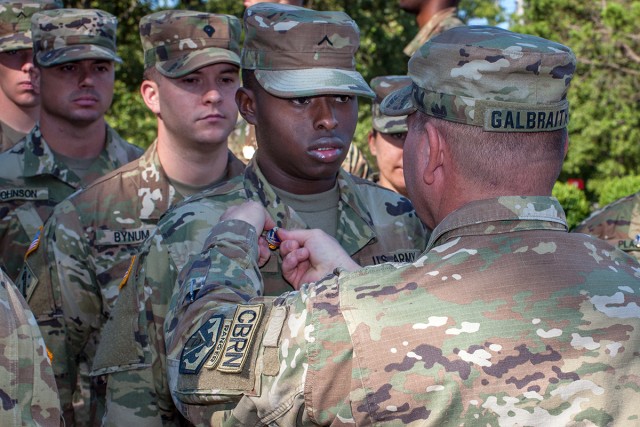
(149,92)
(246,100)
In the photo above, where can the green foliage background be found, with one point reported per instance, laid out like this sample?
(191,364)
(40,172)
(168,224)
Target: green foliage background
(605,97)
(604,127)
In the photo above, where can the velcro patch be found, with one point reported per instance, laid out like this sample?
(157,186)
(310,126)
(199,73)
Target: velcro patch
(246,321)
(133,236)
(24,193)
(200,345)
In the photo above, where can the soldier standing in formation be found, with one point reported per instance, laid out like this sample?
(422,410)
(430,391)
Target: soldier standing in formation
(386,139)
(92,237)
(19,91)
(71,145)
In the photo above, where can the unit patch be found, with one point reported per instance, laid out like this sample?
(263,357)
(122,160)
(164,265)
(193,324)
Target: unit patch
(238,346)
(204,341)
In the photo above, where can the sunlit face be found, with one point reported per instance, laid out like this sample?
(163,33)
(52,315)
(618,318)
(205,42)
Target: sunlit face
(388,149)
(199,109)
(303,139)
(18,78)
(78,92)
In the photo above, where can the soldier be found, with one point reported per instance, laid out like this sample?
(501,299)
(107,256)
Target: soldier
(19,94)
(72,145)
(386,139)
(27,386)
(506,319)
(191,77)
(433,17)
(301,95)
(243,140)
(617,223)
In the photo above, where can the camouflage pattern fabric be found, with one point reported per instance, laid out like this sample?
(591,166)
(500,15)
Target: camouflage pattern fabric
(27,386)
(86,249)
(302,52)
(506,319)
(33,181)
(178,42)
(67,35)
(9,136)
(441,21)
(617,223)
(374,225)
(15,22)
(491,78)
(383,86)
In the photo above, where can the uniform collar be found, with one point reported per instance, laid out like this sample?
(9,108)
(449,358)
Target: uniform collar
(501,215)
(355,226)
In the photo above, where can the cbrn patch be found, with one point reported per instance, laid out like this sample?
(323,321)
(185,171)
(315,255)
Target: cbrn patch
(238,346)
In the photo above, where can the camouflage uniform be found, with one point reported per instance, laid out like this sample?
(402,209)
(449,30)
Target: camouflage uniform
(85,251)
(441,21)
(29,394)
(505,319)
(617,223)
(375,225)
(15,34)
(352,348)
(33,181)
(90,239)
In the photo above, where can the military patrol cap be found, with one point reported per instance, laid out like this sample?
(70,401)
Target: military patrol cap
(68,35)
(15,22)
(178,42)
(302,52)
(489,77)
(383,86)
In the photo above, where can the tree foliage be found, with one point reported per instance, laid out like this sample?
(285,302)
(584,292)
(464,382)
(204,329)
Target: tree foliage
(605,95)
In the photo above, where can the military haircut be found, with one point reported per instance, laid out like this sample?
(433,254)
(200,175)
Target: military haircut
(495,158)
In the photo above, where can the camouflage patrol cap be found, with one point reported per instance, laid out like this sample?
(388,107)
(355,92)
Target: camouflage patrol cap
(178,42)
(302,52)
(489,77)
(383,86)
(15,22)
(68,35)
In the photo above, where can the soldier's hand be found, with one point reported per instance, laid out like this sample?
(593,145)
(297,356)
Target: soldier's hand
(256,215)
(309,255)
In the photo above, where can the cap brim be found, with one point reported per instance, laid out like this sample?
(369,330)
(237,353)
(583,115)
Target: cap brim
(313,82)
(399,102)
(195,60)
(386,124)
(75,53)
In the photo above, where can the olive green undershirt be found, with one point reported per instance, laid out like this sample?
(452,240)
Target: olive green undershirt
(317,210)
(79,166)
